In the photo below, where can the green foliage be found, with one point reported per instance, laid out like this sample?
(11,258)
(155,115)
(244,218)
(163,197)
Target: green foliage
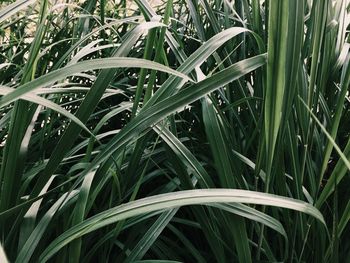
(176,131)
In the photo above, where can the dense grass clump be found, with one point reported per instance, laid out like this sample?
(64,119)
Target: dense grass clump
(174,131)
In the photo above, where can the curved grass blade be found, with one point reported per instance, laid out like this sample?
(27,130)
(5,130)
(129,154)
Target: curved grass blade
(47,103)
(13,8)
(174,200)
(103,63)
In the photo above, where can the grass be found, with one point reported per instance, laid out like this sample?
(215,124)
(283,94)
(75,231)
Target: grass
(182,131)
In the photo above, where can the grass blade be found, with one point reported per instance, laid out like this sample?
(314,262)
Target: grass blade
(173,200)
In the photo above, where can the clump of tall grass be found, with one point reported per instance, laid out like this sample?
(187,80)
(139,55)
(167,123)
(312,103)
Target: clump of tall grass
(182,131)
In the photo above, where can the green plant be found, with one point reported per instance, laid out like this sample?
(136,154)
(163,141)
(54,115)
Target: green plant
(187,131)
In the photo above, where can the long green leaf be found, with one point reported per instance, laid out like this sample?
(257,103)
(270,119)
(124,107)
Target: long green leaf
(103,63)
(13,8)
(173,200)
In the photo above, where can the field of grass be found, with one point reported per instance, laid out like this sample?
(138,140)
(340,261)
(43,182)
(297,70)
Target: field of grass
(174,131)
